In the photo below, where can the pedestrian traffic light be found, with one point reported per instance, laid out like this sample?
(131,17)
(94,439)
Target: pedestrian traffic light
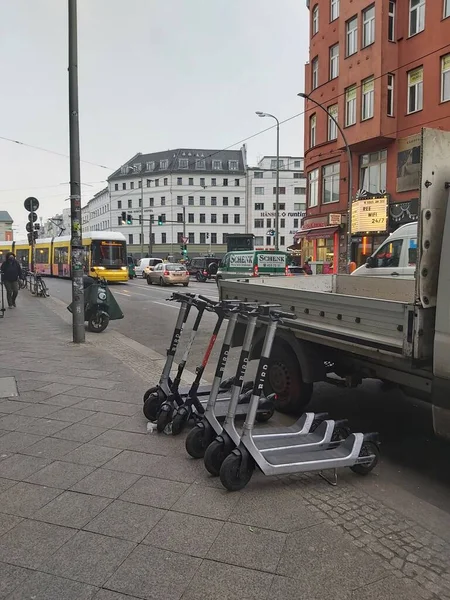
(124,218)
(129,219)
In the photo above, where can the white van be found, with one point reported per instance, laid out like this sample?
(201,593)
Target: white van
(396,257)
(145,265)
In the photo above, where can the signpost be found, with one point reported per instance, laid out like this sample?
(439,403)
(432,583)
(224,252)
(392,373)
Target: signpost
(31,204)
(369,215)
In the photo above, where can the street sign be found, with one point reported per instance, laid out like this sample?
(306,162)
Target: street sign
(32,217)
(31,204)
(29,227)
(185,240)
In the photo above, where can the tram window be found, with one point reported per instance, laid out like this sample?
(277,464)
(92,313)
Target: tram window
(62,255)
(42,255)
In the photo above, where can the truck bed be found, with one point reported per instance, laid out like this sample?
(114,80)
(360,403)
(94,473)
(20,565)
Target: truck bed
(362,315)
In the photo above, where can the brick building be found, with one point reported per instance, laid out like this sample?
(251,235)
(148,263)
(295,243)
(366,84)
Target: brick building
(382,69)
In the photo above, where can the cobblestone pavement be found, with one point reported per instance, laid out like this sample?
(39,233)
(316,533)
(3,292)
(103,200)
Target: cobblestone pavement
(94,507)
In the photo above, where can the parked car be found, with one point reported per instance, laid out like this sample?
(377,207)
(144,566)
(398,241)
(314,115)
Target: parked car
(145,265)
(204,267)
(295,270)
(169,274)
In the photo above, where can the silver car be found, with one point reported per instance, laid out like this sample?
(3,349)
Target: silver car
(169,274)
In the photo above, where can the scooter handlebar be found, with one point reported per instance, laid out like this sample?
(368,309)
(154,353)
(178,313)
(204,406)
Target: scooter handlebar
(180,297)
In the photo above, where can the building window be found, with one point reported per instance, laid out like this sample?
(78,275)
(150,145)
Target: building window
(202,218)
(299,191)
(180,237)
(282,223)
(299,205)
(166,181)
(214,238)
(191,181)
(350,106)
(164,164)
(445,85)
(119,203)
(151,201)
(213,201)
(183,163)
(259,191)
(298,175)
(330,183)
(119,221)
(313,177)
(372,173)
(314,73)
(202,200)
(140,219)
(180,200)
(140,202)
(332,127)
(200,163)
(216,165)
(351,28)
(390,95)
(225,219)
(202,238)
(149,182)
(163,200)
(163,238)
(150,166)
(124,186)
(259,205)
(179,217)
(237,219)
(367,98)
(315,20)
(237,201)
(416,16)
(156,182)
(225,183)
(213,218)
(282,190)
(237,182)
(334,10)
(179,181)
(191,200)
(130,203)
(191,238)
(225,201)
(334,61)
(130,238)
(259,223)
(233,165)
(224,238)
(116,187)
(273,163)
(446,8)
(368,30)
(213,181)
(259,174)
(190,217)
(391,21)
(415,90)
(312,131)
(282,206)
(202,182)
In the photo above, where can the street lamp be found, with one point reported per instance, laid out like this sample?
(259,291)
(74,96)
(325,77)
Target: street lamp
(277,192)
(350,170)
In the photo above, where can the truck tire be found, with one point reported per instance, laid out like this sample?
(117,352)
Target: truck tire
(285,380)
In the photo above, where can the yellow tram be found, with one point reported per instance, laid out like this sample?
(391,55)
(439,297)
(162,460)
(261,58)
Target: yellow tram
(105,254)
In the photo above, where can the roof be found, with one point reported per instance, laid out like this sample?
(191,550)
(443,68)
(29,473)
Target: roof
(5,217)
(172,157)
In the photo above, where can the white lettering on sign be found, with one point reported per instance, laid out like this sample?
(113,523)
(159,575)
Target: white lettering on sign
(241,260)
(271,260)
(369,215)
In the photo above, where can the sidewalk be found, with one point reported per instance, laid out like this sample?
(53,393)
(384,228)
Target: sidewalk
(94,507)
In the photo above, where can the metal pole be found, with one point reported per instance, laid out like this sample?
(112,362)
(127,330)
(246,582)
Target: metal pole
(75,183)
(350,172)
(150,232)
(277,196)
(142,218)
(184,228)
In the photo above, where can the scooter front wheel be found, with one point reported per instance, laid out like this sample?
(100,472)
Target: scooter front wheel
(214,456)
(164,418)
(236,471)
(98,322)
(149,392)
(367,449)
(151,407)
(179,421)
(197,442)
(263,417)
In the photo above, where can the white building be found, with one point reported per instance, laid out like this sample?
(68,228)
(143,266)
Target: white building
(198,194)
(261,196)
(97,212)
(56,226)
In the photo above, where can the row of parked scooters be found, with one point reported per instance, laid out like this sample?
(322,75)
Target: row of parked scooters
(313,443)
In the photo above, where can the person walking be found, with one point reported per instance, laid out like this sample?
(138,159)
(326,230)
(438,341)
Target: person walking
(11,273)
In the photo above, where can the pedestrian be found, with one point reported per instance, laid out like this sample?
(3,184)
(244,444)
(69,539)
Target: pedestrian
(11,273)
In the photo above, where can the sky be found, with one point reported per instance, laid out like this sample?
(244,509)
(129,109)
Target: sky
(153,75)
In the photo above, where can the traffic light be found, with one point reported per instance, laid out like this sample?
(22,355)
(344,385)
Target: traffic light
(124,218)
(129,219)
(183,249)
(161,219)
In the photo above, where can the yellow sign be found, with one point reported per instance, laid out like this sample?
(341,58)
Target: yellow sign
(369,215)
(415,76)
(446,63)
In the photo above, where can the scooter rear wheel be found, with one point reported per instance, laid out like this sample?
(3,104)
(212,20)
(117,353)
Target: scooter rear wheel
(214,456)
(263,417)
(98,322)
(164,418)
(178,423)
(196,442)
(234,475)
(151,407)
(367,449)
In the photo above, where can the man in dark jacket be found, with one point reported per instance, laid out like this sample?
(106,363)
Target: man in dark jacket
(11,273)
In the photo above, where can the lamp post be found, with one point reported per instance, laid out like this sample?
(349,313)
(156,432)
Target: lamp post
(142,217)
(277,192)
(350,171)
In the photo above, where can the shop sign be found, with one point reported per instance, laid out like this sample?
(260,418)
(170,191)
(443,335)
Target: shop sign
(369,215)
(283,214)
(315,222)
(334,219)
(241,260)
(271,260)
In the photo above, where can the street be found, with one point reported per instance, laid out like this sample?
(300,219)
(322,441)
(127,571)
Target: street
(412,457)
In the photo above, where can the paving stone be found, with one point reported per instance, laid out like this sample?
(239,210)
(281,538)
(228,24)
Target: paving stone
(126,520)
(167,578)
(108,595)
(42,586)
(60,474)
(71,414)
(89,557)
(285,588)
(78,432)
(209,502)
(12,406)
(17,441)
(24,499)
(155,492)
(114,408)
(10,577)
(391,588)
(53,389)
(7,522)
(72,509)
(307,555)
(152,444)
(249,547)
(184,533)
(43,426)
(51,448)
(20,466)
(93,455)
(104,482)
(30,543)
(5,484)
(13,421)
(129,461)
(62,400)
(136,424)
(215,580)
(111,395)
(102,419)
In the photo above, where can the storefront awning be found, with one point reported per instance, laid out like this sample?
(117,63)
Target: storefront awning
(316,233)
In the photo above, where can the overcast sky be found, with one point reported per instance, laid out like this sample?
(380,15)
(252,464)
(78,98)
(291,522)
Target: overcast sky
(153,75)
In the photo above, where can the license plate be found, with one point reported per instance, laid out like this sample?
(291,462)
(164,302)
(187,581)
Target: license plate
(178,274)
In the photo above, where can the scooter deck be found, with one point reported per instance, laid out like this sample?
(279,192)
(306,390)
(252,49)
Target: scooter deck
(319,438)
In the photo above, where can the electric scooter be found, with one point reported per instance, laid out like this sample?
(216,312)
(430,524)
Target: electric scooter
(358,451)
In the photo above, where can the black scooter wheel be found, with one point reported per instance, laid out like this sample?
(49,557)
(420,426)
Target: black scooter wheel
(151,407)
(214,456)
(149,392)
(163,420)
(367,449)
(234,474)
(98,322)
(263,417)
(196,442)
(178,423)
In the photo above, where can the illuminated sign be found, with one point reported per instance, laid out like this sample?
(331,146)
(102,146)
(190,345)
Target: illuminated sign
(369,215)
(110,243)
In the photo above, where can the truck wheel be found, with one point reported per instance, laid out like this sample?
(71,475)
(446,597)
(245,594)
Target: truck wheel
(285,380)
